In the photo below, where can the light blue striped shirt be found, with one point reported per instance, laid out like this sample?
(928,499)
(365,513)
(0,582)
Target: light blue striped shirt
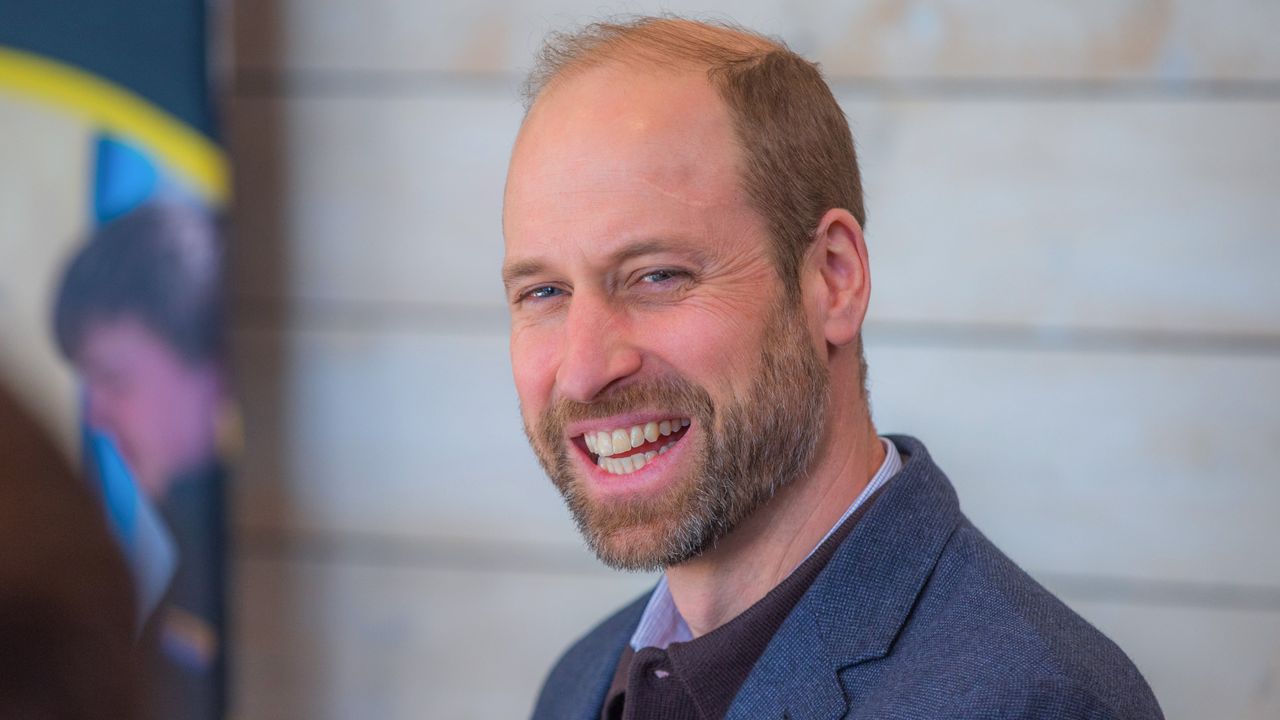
(661,624)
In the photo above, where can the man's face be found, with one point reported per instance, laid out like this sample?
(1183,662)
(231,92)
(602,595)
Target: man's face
(159,409)
(667,385)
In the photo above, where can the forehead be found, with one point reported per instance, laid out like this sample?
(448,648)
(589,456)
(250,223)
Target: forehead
(613,151)
(122,338)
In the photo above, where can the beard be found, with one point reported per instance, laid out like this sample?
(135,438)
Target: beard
(749,446)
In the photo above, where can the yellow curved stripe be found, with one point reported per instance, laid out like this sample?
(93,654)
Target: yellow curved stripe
(122,112)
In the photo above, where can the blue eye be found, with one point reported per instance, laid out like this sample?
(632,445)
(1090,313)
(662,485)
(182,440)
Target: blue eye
(658,276)
(541,293)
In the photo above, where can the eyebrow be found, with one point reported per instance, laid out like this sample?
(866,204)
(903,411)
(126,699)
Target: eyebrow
(521,269)
(513,273)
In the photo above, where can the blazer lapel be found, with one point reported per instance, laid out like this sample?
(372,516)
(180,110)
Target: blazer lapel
(858,604)
(794,678)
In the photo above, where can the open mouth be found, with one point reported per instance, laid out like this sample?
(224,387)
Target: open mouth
(622,451)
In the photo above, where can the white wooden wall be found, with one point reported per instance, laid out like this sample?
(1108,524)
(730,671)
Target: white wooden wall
(1073,239)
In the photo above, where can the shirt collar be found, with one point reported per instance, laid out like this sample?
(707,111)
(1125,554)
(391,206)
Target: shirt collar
(661,623)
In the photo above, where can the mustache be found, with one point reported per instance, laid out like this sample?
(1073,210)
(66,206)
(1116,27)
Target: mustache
(671,393)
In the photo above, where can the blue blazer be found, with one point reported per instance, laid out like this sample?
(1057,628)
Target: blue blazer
(917,615)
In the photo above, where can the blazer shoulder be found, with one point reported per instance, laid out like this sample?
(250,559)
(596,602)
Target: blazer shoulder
(576,685)
(993,617)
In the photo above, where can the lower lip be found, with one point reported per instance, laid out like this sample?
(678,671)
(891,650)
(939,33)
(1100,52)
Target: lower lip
(650,478)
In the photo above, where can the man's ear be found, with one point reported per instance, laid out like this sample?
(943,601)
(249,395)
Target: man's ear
(840,275)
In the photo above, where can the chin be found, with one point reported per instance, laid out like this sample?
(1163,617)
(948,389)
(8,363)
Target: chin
(657,539)
(640,549)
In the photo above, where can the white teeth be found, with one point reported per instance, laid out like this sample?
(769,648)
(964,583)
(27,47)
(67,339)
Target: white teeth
(631,463)
(651,431)
(613,442)
(666,447)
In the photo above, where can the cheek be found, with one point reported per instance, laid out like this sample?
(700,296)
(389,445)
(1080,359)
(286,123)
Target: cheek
(138,421)
(706,349)
(533,367)
(163,407)
(157,413)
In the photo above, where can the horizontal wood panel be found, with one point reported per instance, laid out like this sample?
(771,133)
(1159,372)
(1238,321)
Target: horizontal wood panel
(384,201)
(1200,663)
(1111,216)
(337,641)
(1167,40)
(390,434)
(1153,215)
(1105,464)
(341,641)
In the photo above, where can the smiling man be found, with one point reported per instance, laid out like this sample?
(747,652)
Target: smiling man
(687,277)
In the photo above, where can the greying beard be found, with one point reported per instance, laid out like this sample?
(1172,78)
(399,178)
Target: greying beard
(747,450)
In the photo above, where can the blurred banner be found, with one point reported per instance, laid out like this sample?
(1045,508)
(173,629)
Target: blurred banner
(113,186)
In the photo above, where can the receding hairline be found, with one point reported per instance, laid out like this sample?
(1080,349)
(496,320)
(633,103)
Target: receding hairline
(644,43)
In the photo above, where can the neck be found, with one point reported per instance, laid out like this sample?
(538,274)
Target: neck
(761,552)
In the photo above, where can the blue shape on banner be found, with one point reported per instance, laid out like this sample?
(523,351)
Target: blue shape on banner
(148,546)
(117,488)
(123,178)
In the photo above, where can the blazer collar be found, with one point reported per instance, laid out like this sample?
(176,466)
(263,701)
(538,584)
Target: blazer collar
(858,604)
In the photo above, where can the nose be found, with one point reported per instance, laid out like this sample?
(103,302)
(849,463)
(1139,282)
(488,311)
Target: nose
(597,349)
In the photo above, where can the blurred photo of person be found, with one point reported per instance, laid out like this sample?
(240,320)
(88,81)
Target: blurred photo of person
(138,315)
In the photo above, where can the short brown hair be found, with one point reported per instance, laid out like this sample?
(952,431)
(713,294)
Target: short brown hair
(160,264)
(797,150)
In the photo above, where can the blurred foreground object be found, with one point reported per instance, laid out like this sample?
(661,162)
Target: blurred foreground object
(66,604)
